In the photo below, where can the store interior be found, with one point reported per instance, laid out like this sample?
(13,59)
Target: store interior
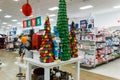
(59,39)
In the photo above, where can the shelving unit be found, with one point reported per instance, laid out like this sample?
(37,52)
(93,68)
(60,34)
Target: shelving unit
(93,47)
(99,48)
(86,44)
(113,46)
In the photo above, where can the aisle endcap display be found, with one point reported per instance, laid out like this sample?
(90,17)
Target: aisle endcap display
(99,48)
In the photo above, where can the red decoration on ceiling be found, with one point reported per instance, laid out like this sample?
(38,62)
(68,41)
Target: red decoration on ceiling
(27,9)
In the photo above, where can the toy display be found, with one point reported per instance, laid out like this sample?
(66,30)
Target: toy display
(62,27)
(57,50)
(98,48)
(113,46)
(46,48)
(73,41)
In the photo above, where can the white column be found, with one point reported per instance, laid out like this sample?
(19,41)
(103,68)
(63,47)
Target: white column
(46,73)
(77,70)
(28,72)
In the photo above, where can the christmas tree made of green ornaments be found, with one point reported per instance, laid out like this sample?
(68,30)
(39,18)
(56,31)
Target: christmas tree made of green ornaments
(46,48)
(73,41)
(62,27)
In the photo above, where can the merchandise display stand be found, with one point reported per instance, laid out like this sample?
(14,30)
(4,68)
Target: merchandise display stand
(113,46)
(99,48)
(47,66)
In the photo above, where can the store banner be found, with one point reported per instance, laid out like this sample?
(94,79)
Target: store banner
(38,21)
(32,22)
(24,24)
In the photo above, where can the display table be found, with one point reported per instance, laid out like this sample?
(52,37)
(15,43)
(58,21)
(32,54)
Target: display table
(47,66)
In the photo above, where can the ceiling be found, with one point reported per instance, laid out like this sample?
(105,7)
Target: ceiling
(40,8)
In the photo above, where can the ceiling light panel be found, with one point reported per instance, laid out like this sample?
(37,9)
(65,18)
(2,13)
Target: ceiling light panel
(9,25)
(52,20)
(53,8)
(18,22)
(86,7)
(14,20)
(4,23)
(52,15)
(15,0)
(0,10)
(7,16)
(118,6)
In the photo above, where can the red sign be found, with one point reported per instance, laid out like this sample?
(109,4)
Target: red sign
(24,24)
(33,22)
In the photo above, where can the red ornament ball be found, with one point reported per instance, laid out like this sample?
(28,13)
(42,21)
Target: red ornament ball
(27,9)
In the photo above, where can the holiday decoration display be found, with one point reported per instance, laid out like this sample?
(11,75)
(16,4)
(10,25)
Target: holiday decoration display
(27,9)
(46,48)
(73,41)
(57,50)
(62,27)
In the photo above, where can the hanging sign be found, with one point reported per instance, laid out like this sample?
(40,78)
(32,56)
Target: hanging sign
(32,22)
(24,24)
(38,21)
(28,23)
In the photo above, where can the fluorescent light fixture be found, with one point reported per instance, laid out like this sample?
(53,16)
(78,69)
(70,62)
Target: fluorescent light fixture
(53,8)
(15,0)
(52,15)
(4,23)
(118,6)
(20,9)
(7,16)
(0,10)
(9,25)
(14,20)
(86,7)
(52,20)
(18,22)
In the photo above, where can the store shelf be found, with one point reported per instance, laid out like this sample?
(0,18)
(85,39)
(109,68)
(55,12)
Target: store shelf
(100,35)
(114,58)
(86,40)
(100,41)
(87,49)
(86,66)
(99,48)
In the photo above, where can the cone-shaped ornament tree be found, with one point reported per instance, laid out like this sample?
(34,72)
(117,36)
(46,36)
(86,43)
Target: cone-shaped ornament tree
(46,49)
(62,27)
(73,41)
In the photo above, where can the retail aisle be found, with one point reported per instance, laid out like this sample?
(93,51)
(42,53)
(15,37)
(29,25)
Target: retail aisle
(10,70)
(111,69)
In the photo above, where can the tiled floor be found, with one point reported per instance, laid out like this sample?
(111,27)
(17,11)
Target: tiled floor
(9,71)
(111,69)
